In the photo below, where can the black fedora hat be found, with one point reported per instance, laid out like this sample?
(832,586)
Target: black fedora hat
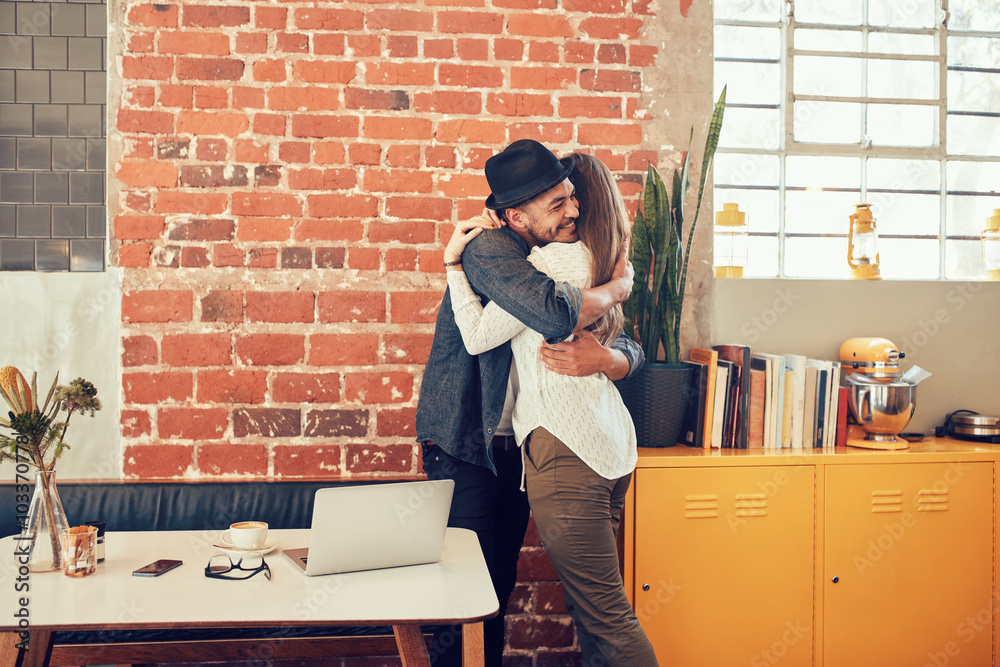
(521,172)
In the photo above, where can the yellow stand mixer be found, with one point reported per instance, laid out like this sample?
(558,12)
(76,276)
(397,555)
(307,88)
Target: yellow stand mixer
(881,403)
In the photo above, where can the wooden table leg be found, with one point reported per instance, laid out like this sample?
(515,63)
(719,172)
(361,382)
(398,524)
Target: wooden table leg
(473,648)
(412,649)
(12,653)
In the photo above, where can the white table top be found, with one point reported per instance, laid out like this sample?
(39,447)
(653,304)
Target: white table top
(456,589)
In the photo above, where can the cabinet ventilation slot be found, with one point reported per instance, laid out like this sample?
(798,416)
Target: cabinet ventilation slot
(701,507)
(930,500)
(887,501)
(751,504)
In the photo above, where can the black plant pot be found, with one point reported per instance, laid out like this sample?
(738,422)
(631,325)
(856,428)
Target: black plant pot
(656,397)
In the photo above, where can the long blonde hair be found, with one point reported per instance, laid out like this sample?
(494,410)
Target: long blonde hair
(604,228)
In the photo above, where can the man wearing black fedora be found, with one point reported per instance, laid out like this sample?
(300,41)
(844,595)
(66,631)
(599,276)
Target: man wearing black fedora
(463,416)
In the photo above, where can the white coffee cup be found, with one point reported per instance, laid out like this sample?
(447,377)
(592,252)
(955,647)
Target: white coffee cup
(246,535)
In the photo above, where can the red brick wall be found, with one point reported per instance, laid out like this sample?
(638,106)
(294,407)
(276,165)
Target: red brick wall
(285,176)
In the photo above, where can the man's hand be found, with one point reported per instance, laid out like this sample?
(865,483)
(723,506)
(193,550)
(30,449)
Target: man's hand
(583,356)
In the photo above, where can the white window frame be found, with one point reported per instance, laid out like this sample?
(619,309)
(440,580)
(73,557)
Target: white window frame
(788,146)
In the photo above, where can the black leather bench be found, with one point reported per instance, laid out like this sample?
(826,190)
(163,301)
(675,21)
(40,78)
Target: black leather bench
(180,505)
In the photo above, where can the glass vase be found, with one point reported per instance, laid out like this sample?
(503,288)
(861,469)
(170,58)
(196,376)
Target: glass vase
(41,535)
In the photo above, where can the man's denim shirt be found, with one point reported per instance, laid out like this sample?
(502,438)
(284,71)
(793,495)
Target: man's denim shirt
(461,395)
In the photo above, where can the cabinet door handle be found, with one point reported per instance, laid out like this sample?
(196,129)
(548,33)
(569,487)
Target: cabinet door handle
(835,579)
(645,587)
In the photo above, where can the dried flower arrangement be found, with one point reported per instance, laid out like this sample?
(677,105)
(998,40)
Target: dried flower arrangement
(38,437)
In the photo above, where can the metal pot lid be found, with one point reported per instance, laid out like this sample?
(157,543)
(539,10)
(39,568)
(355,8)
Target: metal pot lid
(977,430)
(976,420)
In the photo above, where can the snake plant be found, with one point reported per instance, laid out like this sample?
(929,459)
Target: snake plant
(660,252)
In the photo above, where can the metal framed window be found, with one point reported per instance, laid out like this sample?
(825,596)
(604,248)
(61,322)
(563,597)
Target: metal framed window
(53,99)
(832,104)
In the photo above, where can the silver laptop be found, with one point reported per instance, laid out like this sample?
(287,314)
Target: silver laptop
(375,526)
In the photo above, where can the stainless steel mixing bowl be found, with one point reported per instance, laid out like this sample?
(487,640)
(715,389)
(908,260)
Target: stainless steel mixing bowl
(882,409)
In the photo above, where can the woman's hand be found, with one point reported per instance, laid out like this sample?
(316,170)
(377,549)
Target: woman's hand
(492,215)
(464,232)
(624,274)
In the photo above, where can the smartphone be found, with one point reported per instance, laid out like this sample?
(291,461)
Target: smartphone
(156,568)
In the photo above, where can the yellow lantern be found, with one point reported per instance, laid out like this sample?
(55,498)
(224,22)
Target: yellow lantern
(991,246)
(862,244)
(730,242)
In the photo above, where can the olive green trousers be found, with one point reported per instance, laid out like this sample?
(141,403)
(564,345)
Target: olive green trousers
(577,513)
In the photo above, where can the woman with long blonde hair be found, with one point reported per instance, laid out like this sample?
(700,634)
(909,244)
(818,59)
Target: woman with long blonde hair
(577,438)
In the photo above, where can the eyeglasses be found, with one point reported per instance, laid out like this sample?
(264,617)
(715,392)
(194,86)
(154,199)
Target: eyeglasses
(223,567)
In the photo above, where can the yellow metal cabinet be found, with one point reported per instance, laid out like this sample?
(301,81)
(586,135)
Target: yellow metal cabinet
(724,564)
(908,565)
(832,557)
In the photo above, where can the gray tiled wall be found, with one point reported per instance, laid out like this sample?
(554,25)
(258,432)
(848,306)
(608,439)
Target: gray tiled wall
(52,135)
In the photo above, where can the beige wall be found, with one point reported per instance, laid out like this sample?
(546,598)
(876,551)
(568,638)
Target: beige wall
(68,323)
(948,328)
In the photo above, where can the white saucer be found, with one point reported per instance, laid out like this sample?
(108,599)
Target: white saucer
(231,550)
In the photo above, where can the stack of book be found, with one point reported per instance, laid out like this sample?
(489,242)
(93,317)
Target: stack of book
(739,399)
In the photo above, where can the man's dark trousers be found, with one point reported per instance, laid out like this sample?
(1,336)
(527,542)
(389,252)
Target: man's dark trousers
(497,510)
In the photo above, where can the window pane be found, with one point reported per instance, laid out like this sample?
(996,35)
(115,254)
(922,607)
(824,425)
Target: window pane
(749,83)
(816,258)
(973,135)
(903,78)
(908,259)
(17,255)
(17,188)
(762,261)
(904,174)
(973,52)
(972,176)
(844,12)
(86,255)
(887,42)
(52,255)
(52,188)
(31,86)
(973,91)
(746,128)
(906,213)
(746,169)
(827,122)
(911,14)
(828,40)
(97,227)
(7,221)
(966,215)
(8,153)
(902,125)
(818,212)
(740,42)
(963,260)
(34,221)
(34,154)
(50,120)
(973,15)
(823,172)
(69,154)
(15,120)
(69,222)
(815,75)
(748,10)
(760,206)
